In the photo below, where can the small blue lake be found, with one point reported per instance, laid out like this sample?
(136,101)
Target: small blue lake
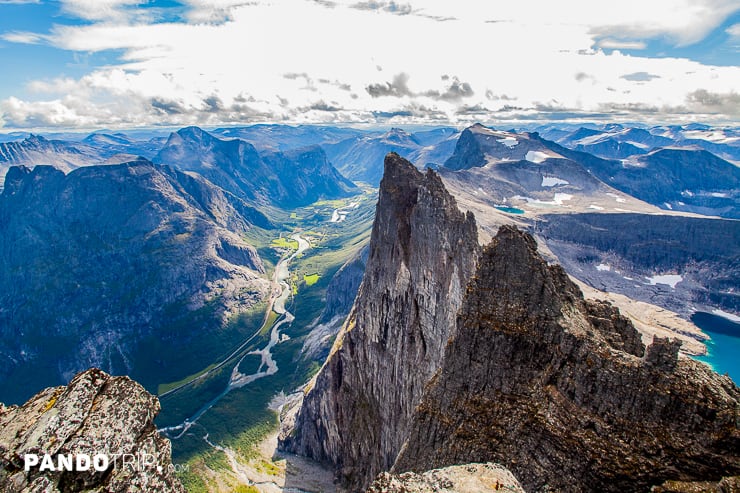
(723,350)
(510,210)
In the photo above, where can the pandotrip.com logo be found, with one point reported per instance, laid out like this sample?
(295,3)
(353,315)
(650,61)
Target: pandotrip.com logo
(140,463)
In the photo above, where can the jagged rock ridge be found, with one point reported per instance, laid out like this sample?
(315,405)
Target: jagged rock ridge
(95,414)
(422,252)
(560,390)
(564,393)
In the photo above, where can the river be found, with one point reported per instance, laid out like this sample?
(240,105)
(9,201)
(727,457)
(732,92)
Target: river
(268,366)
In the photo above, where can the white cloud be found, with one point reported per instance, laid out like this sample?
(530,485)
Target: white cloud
(613,44)
(23,37)
(734,31)
(356,60)
(100,10)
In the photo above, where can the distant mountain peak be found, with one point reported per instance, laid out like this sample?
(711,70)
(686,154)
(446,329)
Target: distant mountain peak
(36,139)
(400,137)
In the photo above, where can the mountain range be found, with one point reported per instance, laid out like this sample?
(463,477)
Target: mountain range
(455,353)
(479,297)
(292,178)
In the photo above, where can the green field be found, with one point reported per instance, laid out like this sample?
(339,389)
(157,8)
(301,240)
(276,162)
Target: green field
(311,279)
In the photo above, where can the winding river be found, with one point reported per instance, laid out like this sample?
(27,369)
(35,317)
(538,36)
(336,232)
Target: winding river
(268,366)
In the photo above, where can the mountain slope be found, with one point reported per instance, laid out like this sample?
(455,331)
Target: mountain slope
(289,179)
(360,158)
(109,265)
(519,173)
(275,138)
(676,179)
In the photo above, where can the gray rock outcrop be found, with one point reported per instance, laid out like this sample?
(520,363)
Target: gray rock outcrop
(96,414)
(422,252)
(468,478)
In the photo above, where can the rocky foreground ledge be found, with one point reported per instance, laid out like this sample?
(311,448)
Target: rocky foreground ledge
(470,478)
(46,443)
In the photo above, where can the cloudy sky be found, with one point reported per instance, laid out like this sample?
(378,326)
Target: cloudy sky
(125,63)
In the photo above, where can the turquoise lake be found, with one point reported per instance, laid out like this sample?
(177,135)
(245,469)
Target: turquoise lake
(510,210)
(723,350)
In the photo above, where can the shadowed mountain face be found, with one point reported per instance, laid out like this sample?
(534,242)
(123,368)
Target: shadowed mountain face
(109,265)
(704,251)
(289,179)
(452,356)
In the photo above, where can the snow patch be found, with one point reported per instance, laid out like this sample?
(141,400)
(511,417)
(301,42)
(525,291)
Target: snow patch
(338,216)
(719,195)
(508,142)
(536,156)
(595,207)
(666,279)
(558,199)
(639,145)
(729,316)
(617,197)
(552,181)
(603,267)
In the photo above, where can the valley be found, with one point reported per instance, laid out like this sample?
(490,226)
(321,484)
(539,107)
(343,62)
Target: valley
(258,247)
(310,248)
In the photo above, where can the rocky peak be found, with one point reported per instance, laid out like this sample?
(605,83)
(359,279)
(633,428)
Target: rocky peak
(195,134)
(422,251)
(599,415)
(453,356)
(36,141)
(96,414)
(479,145)
(399,136)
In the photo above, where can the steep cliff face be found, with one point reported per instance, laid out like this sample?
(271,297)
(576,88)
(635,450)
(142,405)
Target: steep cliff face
(423,251)
(96,414)
(563,392)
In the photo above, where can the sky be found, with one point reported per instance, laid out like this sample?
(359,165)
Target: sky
(117,64)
